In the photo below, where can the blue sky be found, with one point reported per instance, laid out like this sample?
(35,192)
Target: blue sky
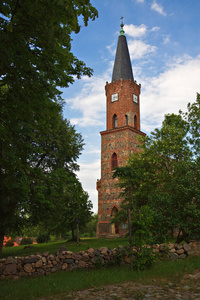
(164,45)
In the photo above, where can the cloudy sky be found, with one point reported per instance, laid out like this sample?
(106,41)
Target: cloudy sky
(164,44)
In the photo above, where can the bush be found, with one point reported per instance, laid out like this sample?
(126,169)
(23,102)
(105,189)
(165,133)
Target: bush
(43,238)
(26,241)
(85,235)
(115,260)
(143,259)
(9,243)
(118,257)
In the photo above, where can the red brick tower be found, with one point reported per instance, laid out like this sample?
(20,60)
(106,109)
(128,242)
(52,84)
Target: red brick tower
(118,141)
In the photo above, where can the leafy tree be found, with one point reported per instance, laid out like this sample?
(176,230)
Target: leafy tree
(175,200)
(164,177)
(69,204)
(90,227)
(36,59)
(30,187)
(193,118)
(136,184)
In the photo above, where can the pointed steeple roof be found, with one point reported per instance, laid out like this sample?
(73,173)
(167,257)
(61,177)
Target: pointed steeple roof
(122,66)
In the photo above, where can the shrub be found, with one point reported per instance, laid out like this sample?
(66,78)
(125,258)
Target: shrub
(43,237)
(143,259)
(9,243)
(85,235)
(26,241)
(118,256)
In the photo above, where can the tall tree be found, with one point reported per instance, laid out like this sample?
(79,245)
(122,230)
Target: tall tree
(36,59)
(165,175)
(175,198)
(70,204)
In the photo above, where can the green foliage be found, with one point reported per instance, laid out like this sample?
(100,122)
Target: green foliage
(135,192)
(26,241)
(37,145)
(193,118)
(66,207)
(163,179)
(85,235)
(164,252)
(175,199)
(116,260)
(9,243)
(89,230)
(30,230)
(43,237)
(118,257)
(142,220)
(99,264)
(143,259)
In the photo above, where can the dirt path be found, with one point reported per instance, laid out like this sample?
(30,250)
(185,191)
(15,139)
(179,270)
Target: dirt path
(187,288)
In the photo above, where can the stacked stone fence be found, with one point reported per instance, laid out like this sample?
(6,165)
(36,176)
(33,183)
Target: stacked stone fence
(45,264)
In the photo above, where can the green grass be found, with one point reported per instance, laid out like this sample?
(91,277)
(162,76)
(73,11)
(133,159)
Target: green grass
(71,246)
(60,284)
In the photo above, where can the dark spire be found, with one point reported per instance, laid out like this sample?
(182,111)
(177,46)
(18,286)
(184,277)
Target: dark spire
(122,66)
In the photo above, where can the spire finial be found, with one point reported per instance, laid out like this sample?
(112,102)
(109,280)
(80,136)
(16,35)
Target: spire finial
(122,25)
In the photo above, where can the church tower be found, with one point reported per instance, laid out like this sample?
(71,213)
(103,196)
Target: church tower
(118,141)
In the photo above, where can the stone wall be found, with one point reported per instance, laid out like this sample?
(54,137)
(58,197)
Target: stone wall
(45,264)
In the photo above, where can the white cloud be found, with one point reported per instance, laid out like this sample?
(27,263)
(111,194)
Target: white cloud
(88,175)
(135,31)
(140,1)
(158,8)
(166,39)
(166,93)
(111,48)
(138,49)
(169,91)
(90,101)
(156,28)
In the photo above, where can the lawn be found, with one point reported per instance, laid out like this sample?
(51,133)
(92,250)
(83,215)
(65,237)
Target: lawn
(71,246)
(58,285)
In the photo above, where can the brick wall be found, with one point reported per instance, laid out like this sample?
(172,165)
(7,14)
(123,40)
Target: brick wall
(125,104)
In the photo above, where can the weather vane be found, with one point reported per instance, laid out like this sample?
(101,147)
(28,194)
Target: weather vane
(122,25)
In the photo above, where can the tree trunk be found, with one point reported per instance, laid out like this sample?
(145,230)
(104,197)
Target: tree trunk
(182,236)
(77,234)
(73,234)
(130,237)
(1,241)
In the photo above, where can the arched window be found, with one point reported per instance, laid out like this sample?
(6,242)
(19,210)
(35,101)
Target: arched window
(113,212)
(126,120)
(135,122)
(115,121)
(114,162)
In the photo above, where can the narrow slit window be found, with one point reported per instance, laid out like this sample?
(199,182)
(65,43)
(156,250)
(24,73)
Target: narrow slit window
(126,120)
(135,122)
